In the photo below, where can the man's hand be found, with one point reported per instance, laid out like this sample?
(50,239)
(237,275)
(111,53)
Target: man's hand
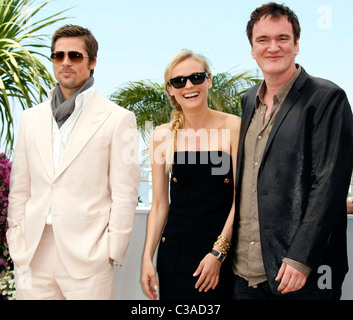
(291,279)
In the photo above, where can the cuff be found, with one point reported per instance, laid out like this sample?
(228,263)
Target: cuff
(299,266)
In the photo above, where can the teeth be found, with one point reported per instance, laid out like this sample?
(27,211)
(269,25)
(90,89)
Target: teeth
(190,95)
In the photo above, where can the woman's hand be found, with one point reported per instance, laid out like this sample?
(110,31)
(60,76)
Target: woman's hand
(149,279)
(208,270)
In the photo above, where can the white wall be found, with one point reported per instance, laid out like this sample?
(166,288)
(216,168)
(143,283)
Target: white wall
(127,277)
(347,289)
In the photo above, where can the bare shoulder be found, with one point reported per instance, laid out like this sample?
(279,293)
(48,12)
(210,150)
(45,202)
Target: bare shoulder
(161,135)
(162,131)
(232,122)
(162,127)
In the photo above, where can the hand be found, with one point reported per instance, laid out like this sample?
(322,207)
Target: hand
(291,279)
(208,270)
(149,279)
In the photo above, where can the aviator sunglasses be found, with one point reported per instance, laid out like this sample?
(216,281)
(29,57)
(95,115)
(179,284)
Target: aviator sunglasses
(195,78)
(74,56)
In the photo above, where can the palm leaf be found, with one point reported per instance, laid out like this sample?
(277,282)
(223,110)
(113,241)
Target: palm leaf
(24,79)
(149,100)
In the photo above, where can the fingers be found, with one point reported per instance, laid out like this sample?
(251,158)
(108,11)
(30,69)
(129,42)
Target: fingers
(206,282)
(208,272)
(149,283)
(291,279)
(150,287)
(281,272)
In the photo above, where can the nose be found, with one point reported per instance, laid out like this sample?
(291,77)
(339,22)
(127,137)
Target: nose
(66,61)
(273,46)
(189,84)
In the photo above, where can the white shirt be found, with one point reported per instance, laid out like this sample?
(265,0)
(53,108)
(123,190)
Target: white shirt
(62,135)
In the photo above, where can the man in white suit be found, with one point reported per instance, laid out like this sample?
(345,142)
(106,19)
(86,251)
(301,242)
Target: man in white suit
(74,182)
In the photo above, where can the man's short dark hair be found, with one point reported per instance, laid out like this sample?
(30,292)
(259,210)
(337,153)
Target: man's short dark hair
(275,11)
(70,30)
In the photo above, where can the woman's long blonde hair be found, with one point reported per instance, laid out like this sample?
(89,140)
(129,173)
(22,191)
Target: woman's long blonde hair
(177,116)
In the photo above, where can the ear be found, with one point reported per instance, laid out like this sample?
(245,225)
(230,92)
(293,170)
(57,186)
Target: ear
(93,64)
(296,48)
(252,52)
(170,89)
(209,82)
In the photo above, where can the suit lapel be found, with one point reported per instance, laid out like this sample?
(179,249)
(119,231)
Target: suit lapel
(93,116)
(288,103)
(248,112)
(44,133)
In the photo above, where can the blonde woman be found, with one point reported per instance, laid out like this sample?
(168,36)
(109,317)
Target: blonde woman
(195,155)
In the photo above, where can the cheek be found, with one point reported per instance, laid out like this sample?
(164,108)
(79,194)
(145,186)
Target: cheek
(84,71)
(56,69)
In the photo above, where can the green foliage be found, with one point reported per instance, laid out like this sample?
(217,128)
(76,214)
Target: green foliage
(149,100)
(23,77)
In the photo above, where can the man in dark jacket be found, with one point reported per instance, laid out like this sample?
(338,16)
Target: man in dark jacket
(294,166)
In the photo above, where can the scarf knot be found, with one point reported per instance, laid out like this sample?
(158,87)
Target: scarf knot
(61,108)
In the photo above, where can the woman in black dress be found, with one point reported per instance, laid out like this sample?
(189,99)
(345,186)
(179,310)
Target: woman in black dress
(195,156)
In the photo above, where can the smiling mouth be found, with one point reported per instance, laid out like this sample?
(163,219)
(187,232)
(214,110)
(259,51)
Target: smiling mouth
(191,95)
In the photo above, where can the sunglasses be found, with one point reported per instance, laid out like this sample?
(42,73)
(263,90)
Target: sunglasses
(74,56)
(195,78)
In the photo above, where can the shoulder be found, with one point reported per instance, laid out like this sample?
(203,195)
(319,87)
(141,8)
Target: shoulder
(160,138)
(323,94)
(233,120)
(162,132)
(162,127)
(38,109)
(317,85)
(322,84)
(230,121)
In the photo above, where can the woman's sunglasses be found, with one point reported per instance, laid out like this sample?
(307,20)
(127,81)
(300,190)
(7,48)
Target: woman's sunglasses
(195,78)
(74,56)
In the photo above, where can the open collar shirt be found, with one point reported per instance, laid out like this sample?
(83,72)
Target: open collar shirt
(248,258)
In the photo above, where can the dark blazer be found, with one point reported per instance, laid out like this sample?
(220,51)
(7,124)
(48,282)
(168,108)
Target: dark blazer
(303,179)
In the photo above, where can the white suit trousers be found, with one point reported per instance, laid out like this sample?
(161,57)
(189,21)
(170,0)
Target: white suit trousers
(47,278)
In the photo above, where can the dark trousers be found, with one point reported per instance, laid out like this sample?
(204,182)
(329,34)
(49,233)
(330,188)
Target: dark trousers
(242,291)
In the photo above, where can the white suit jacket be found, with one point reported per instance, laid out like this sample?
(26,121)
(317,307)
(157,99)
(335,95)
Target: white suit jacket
(92,195)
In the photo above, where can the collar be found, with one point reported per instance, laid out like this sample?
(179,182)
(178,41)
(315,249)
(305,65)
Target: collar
(282,93)
(80,99)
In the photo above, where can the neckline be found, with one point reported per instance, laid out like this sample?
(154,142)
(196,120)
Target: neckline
(199,151)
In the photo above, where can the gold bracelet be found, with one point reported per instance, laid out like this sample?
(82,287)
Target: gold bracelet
(224,251)
(224,240)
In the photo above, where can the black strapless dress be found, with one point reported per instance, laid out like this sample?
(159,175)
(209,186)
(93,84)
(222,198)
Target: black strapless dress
(201,196)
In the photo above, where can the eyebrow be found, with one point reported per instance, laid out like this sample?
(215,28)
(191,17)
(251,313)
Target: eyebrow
(263,36)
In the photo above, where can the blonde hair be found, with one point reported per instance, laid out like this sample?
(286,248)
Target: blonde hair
(177,116)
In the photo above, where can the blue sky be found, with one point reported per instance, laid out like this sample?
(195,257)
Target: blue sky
(138,38)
